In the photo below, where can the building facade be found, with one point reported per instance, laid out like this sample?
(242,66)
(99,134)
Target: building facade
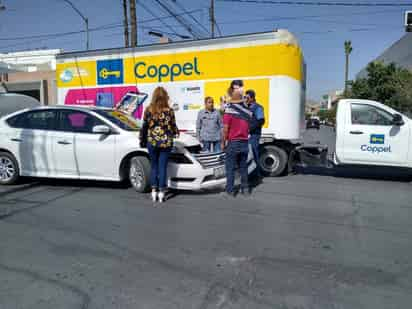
(31,73)
(329,100)
(399,53)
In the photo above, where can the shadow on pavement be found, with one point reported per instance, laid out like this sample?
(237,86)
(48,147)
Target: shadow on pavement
(361,172)
(20,188)
(75,183)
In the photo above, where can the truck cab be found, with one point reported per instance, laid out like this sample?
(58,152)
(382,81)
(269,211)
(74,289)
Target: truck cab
(371,133)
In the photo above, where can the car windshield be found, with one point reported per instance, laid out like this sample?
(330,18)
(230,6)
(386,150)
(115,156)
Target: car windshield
(121,119)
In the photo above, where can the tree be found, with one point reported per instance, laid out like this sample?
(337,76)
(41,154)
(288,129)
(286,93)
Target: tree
(331,115)
(388,84)
(327,115)
(348,51)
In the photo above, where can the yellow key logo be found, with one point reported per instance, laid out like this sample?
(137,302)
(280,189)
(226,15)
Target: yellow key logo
(377,139)
(105,73)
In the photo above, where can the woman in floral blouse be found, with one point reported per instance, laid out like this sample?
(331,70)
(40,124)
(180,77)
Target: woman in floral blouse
(157,134)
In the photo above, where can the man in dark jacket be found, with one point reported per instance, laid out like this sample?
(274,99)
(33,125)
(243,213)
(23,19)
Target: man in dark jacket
(255,130)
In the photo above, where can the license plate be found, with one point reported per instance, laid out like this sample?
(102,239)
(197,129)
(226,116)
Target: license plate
(219,172)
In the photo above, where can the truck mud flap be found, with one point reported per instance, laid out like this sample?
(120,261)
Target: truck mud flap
(309,156)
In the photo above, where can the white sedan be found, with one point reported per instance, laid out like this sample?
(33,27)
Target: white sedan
(96,144)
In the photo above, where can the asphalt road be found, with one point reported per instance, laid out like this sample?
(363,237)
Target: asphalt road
(312,240)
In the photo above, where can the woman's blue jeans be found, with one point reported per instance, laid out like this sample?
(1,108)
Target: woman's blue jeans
(159,158)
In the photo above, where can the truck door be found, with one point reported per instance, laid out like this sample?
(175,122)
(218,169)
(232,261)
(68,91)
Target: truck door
(371,138)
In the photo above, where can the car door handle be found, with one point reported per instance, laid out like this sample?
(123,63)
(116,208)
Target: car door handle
(356,132)
(18,140)
(63,143)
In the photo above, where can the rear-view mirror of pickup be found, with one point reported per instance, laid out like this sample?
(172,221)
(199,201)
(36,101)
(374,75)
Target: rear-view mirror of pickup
(397,120)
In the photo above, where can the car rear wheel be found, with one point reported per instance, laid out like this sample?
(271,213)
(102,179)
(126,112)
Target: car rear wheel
(139,174)
(9,169)
(273,160)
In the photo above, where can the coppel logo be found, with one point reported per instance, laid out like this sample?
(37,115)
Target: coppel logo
(164,71)
(377,139)
(110,72)
(66,76)
(376,149)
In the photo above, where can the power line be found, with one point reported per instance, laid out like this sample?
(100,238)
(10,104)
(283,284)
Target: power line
(335,22)
(309,17)
(60,34)
(99,28)
(180,20)
(278,18)
(191,16)
(319,3)
(147,28)
(218,27)
(155,16)
(348,30)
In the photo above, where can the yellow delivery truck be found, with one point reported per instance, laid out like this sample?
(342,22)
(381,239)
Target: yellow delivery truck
(270,63)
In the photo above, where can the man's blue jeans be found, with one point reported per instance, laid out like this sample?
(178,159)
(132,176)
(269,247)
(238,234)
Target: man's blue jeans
(207,146)
(236,152)
(159,158)
(254,143)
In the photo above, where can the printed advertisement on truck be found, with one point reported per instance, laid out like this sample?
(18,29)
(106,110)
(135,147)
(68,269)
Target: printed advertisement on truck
(188,76)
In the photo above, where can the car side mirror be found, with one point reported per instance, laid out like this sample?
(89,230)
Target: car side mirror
(397,120)
(101,129)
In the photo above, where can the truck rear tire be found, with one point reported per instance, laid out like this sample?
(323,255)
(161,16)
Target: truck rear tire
(273,160)
(139,174)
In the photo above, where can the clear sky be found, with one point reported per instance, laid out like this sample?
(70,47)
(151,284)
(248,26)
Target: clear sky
(321,30)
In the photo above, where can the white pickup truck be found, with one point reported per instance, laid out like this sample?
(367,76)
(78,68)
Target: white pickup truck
(369,133)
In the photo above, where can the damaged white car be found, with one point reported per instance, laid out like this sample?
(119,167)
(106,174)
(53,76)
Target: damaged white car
(96,144)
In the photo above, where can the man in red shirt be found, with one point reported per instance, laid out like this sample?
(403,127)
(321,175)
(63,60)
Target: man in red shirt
(235,137)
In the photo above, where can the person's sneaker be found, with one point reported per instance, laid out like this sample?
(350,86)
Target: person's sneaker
(154,196)
(162,196)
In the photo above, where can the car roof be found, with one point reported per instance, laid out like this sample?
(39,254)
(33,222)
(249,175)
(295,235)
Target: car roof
(71,107)
(83,108)
(74,107)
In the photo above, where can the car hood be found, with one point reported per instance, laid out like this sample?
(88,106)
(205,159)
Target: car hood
(184,140)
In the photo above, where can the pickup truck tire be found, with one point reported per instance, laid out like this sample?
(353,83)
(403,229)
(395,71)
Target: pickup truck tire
(273,160)
(139,174)
(9,169)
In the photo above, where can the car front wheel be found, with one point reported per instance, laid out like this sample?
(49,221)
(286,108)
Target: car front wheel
(9,169)
(139,174)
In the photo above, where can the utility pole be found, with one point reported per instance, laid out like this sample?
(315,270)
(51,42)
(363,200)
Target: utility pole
(125,24)
(212,17)
(133,22)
